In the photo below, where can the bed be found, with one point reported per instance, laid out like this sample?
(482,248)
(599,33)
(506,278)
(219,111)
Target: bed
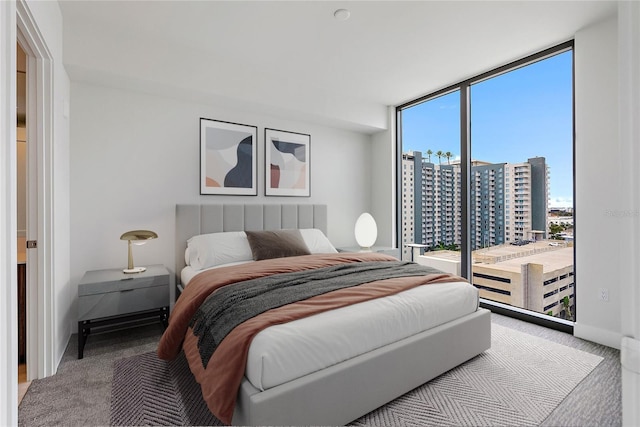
(291,384)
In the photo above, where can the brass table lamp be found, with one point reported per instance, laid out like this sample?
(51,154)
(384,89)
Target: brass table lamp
(137,237)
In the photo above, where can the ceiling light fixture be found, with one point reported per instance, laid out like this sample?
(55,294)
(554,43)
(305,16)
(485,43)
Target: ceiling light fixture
(342,14)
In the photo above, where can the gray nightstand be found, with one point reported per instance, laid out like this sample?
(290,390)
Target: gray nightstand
(387,250)
(111,297)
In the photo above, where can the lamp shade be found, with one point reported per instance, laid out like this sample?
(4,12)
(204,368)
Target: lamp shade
(137,237)
(366,230)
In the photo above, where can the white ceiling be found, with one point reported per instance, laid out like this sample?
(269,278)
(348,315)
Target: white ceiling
(294,59)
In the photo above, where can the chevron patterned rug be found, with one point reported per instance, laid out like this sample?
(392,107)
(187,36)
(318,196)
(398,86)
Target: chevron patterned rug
(519,381)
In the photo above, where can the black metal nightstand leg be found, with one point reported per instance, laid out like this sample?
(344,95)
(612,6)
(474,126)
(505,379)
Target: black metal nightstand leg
(164,316)
(83,333)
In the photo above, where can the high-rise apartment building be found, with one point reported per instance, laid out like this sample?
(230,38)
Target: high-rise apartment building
(408,201)
(527,188)
(488,198)
(508,202)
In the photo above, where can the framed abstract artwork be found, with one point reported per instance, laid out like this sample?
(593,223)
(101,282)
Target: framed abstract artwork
(287,163)
(228,158)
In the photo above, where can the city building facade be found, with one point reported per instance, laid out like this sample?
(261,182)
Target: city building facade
(509,202)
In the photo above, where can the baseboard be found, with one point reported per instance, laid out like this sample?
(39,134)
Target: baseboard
(597,335)
(60,349)
(528,316)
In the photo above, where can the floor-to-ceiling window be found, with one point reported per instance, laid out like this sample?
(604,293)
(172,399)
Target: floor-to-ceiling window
(486,183)
(431,205)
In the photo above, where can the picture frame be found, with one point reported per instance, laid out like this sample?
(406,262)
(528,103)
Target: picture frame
(228,158)
(287,163)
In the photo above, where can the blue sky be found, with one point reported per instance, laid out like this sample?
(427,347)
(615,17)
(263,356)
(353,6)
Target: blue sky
(515,116)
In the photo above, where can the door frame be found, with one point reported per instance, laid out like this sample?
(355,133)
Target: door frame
(41,320)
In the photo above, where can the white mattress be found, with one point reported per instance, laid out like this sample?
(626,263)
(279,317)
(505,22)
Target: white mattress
(285,352)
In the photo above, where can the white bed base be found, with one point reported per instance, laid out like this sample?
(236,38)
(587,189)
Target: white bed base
(348,390)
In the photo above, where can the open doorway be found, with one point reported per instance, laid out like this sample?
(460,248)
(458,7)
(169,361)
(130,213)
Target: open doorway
(21,169)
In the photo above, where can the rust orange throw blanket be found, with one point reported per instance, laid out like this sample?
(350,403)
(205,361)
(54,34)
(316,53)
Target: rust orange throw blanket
(221,378)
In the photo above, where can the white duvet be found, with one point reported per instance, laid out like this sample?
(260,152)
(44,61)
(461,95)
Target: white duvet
(285,352)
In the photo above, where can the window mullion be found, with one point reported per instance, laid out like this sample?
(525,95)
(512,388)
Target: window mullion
(465,193)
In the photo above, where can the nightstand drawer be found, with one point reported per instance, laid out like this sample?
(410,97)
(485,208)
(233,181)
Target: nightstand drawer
(126,283)
(128,300)
(105,293)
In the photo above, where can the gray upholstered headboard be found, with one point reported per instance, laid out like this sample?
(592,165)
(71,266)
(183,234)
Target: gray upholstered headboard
(192,220)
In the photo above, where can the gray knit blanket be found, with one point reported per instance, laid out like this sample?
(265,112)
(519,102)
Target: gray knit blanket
(233,304)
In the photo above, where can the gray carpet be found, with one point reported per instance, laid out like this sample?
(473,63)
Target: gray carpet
(80,394)
(519,381)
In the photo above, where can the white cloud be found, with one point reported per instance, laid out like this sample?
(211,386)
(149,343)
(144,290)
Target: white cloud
(560,202)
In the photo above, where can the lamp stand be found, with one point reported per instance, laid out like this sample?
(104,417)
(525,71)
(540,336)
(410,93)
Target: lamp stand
(130,268)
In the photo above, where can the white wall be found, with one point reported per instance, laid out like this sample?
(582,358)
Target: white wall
(134,156)
(629,89)
(383,191)
(600,207)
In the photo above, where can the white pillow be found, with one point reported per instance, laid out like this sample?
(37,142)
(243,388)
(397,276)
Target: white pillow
(210,250)
(317,242)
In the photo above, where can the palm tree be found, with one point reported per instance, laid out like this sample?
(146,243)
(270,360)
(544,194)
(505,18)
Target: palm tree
(448,155)
(440,154)
(429,153)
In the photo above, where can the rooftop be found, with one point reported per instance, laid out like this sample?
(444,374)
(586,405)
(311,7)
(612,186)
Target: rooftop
(552,254)
(553,259)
